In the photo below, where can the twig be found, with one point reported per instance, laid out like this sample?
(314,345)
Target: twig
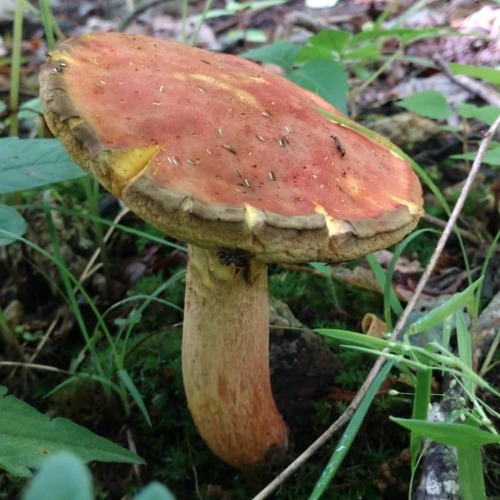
(345,417)
(466,235)
(485,92)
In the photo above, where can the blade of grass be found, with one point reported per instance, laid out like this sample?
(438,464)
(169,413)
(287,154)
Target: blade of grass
(134,392)
(388,300)
(464,341)
(15,68)
(421,403)
(385,283)
(349,435)
(470,471)
(440,313)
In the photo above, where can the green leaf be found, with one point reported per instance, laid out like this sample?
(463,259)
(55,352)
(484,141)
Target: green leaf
(333,40)
(458,435)
(440,313)
(30,108)
(429,103)
(310,53)
(32,163)
(491,157)
(368,52)
(28,437)
(326,78)
(487,74)
(61,477)
(420,408)
(136,396)
(281,54)
(470,473)
(155,491)
(465,348)
(485,114)
(349,434)
(13,222)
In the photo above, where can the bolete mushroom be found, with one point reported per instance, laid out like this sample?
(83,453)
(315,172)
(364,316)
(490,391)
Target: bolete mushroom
(240,163)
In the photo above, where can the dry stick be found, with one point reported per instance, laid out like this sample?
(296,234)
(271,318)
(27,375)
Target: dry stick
(346,416)
(471,85)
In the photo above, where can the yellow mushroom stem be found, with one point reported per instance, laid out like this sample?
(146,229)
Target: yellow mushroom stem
(225,358)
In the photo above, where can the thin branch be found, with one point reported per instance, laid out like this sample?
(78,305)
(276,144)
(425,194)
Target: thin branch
(471,85)
(346,416)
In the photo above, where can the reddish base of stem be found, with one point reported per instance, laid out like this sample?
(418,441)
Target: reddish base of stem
(225,359)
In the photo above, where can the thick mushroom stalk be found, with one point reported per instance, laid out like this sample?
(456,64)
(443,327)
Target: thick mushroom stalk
(216,151)
(225,359)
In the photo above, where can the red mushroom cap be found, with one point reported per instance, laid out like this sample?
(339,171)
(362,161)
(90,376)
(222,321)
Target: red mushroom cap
(217,151)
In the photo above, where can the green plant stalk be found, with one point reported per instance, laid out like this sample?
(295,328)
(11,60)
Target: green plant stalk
(171,281)
(91,188)
(15,68)
(106,222)
(388,300)
(69,289)
(48,23)
(349,435)
(206,8)
(5,330)
(184,14)
(387,63)
(420,409)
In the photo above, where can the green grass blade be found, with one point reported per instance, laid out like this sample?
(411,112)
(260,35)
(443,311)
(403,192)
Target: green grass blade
(439,314)
(134,392)
(391,301)
(470,472)
(458,435)
(420,408)
(349,435)
(465,349)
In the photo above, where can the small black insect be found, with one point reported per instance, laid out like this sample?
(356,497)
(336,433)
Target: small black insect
(339,145)
(235,256)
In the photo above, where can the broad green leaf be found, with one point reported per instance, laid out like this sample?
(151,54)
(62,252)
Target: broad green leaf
(429,103)
(155,491)
(470,473)
(487,74)
(334,40)
(30,108)
(326,78)
(13,222)
(32,163)
(458,435)
(310,53)
(61,477)
(485,114)
(491,157)
(28,437)
(281,54)
(3,106)
(370,52)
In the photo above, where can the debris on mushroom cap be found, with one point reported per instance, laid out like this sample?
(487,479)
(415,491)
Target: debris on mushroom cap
(217,151)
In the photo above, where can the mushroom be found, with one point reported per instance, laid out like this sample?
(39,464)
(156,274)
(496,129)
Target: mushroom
(239,162)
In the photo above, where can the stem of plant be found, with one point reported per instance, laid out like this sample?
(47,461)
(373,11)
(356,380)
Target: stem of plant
(346,416)
(15,69)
